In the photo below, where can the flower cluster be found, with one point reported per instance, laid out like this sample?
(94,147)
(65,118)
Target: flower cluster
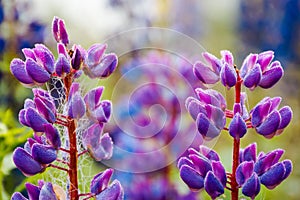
(262,169)
(45,116)
(209,110)
(203,169)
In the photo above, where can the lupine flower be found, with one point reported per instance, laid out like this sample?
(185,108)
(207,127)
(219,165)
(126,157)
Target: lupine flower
(258,70)
(264,169)
(267,119)
(37,154)
(97,110)
(44,191)
(228,74)
(237,126)
(101,188)
(99,145)
(76,105)
(98,64)
(203,170)
(208,111)
(59,31)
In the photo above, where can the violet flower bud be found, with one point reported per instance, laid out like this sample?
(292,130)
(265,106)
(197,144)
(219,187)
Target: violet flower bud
(252,186)
(92,98)
(47,192)
(253,77)
(228,76)
(113,192)
(44,154)
(36,72)
(205,74)
(62,66)
(25,162)
(248,153)
(191,177)
(52,136)
(213,186)
(17,68)
(18,196)
(214,62)
(44,57)
(29,53)
(31,118)
(95,54)
(33,191)
(237,126)
(100,181)
(77,59)
(99,146)
(44,110)
(76,105)
(211,97)
(59,31)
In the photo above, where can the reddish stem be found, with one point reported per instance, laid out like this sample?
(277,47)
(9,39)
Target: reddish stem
(236,145)
(58,167)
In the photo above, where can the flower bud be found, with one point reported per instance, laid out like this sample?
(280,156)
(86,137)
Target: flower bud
(205,74)
(213,186)
(100,181)
(62,66)
(228,76)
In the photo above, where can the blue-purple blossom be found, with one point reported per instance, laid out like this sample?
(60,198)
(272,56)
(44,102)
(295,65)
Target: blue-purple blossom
(208,111)
(59,31)
(267,119)
(262,169)
(202,169)
(101,188)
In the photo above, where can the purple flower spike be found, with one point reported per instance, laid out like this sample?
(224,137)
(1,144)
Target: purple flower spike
(43,154)
(17,68)
(62,66)
(113,192)
(52,136)
(32,190)
(213,186)
(24,161)
(36,72)
(47,192)
(100,181)
(191,177)
(252,187)
(76,107)
(237,127)
(18,196)
(205,74)
(228,76)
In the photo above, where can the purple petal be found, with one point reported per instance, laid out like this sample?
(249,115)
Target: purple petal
(34,120)
(76,107)
(216,116)
(62,65)
(210,96)
(102,113)
(77,59)
(209,153)
(63,35)
(113,192)
(244,172)
(100,181)
(61,49)
(253,77)
(91,137)
(237,127)
(106,67)
(270,125)
(191,177)
(248,64)
(252,186)
(213,61)
(273,176)
(24,161)
(286,115)
(260,112)
(94,54)
(47,192)
(194,107)
(202,165)
(104,150)
(18,196)
(185,161)
(44,110)
(74,89)
(288,168)
(219,171)
(52,136)
(205,74)
(271,76)
(92,98)
(32,190)
(206,128)
(36,72)
(227,57)
(55,30)
(17,68)
(265,162)
(213,186)
(249,153)
(264,59)
(29,53)
(29,103)
(228,76)
(43,154)
(44,57)
(22,118)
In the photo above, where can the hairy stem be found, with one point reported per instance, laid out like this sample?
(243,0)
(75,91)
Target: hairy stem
(73,153)
(236,145)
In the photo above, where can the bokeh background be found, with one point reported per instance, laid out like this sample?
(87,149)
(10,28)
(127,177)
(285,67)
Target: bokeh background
(241,26)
